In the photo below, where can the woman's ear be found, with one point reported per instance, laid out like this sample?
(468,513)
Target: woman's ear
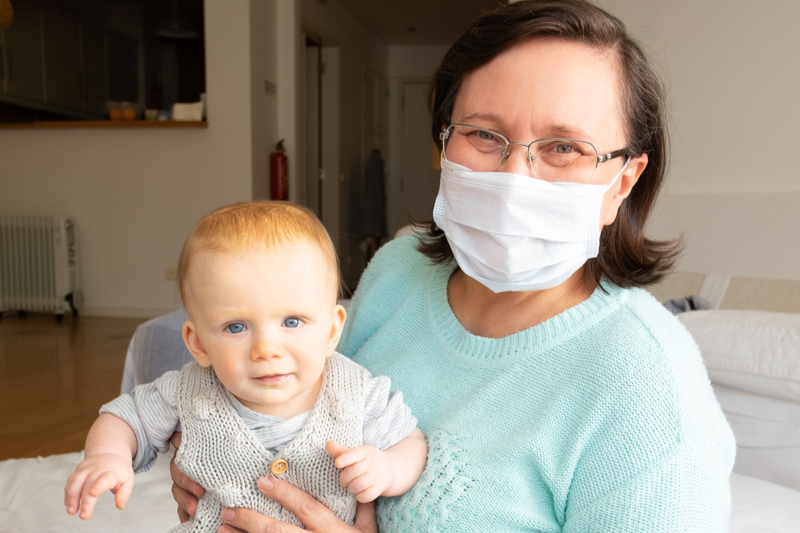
(189,333)
(621,190)
(339,316)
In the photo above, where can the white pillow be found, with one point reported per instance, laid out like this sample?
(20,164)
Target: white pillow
(753,361)
(754,351)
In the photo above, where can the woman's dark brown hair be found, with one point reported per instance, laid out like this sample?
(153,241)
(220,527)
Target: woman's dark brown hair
(626,258)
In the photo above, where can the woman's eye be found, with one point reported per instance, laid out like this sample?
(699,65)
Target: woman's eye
(485,135)
(235,328)
(564,149)
(291,322)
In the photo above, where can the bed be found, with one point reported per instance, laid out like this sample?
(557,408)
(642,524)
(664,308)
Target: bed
(31,496)
(753,360)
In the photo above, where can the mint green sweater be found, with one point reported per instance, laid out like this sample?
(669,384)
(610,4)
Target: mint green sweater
(601,419)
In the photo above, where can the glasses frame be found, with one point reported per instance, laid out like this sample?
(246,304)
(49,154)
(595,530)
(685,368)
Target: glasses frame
(445,134)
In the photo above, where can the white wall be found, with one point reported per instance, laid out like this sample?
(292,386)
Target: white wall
(732,69)
(752,235)
(135,194)
(733,74)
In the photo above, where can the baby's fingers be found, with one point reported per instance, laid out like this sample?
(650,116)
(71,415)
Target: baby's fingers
(122,493)
(103,482)
(351,457)
(72,491)
(87,505)
(352,472)
(335,449)
(361,485)
(94,487)
(368,495)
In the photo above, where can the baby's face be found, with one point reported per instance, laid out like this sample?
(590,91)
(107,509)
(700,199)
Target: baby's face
(266,320)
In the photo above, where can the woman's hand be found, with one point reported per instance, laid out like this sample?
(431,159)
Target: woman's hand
(185,490)
(315,516)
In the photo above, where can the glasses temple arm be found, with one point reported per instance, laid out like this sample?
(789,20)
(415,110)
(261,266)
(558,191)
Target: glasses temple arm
(612,155)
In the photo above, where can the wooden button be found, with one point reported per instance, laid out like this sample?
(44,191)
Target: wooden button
(279,466)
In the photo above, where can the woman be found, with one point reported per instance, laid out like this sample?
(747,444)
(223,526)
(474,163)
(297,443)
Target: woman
(555,394)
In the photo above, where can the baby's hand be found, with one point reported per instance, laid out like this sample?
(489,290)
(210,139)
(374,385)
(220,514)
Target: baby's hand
(367,472)
(94,475)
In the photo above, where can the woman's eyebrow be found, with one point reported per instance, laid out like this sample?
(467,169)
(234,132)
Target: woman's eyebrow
(548,131)
(489,117)
(568,131)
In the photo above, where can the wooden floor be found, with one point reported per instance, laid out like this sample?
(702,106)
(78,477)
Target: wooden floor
(54,377)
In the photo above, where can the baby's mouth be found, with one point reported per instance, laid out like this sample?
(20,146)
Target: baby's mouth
(272,379)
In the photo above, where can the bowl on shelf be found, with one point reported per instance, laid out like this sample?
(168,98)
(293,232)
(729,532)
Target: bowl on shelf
(124,110)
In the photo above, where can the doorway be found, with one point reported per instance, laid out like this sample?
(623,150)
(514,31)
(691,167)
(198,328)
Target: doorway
(314,173)
(419,180)
(319,159)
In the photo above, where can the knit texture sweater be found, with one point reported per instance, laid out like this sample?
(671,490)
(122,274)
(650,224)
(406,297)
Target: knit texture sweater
(600,419)
(223,455)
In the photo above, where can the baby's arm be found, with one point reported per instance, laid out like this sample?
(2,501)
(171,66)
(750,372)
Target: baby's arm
(110,447)
(369,472)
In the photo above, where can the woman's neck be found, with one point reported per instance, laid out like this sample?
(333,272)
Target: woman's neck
(495,315)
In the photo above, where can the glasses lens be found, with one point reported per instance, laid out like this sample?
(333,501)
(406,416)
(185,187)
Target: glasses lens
(563,160)
(475,148)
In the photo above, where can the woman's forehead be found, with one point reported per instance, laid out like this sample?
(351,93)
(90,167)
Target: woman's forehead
(546,87)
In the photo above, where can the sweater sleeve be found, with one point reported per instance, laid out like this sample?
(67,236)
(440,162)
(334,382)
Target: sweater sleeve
(152,413)
(661,455)
(387,420)
(683,492)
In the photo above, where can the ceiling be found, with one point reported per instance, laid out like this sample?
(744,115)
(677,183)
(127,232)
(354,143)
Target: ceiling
(433,21)
(395,22)
(152,10)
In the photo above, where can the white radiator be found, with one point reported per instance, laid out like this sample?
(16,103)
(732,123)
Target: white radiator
(39,265)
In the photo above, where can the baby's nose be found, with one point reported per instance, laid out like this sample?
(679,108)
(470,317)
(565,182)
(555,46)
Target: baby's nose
(265,349)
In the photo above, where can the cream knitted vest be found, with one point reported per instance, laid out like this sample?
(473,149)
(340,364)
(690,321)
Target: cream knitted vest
(223,455)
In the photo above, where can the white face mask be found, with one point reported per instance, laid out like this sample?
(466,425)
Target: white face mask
(518,233)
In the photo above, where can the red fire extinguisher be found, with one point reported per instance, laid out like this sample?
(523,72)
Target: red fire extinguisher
(279,173)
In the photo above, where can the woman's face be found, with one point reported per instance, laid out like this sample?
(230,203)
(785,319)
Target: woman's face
(553,88)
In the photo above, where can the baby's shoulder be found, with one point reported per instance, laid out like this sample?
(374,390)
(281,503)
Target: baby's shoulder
(343,365)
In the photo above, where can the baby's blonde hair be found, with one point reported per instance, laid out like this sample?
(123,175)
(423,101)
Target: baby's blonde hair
(247,225)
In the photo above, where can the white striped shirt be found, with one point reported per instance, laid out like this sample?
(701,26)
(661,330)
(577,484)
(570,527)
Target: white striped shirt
(151,412)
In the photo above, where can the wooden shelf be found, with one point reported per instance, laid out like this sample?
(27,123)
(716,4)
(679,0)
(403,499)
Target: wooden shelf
(107,124)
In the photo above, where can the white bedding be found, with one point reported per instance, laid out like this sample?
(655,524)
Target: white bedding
(763,507)
(32,500)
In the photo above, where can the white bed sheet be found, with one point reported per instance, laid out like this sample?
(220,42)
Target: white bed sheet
(763,507)
(32,500)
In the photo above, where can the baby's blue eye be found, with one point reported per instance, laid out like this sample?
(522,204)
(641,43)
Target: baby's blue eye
(291,322)
(235,328)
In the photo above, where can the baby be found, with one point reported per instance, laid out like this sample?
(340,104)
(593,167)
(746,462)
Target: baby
(267,394)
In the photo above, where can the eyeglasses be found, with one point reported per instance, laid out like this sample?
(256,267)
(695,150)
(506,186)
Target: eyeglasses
(555,160)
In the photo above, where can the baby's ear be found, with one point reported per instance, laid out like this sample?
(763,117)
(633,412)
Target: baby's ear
(194,345)
(339,316)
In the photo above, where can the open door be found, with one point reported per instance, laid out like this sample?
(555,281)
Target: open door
(419,178)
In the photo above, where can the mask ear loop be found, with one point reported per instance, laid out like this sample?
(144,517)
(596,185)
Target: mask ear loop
(627,160)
